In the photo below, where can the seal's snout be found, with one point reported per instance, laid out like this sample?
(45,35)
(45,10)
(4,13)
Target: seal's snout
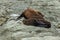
(40,23)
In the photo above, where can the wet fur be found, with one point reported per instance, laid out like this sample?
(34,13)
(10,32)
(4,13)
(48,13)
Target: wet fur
(35,18)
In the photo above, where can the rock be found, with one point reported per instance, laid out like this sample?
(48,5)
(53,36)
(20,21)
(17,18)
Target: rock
(58,25)
(13,16)
(19,35)
(33,38)
(42,38)
(2,20)
(51,38)
(44,34)
(58,30)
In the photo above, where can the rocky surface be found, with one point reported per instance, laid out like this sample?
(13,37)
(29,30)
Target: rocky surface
(10,29)
(42,38)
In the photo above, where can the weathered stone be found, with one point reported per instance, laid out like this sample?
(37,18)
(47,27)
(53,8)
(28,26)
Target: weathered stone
(33,38)
(20,35)
(42,38)
(44,34)
(51,38)
(2,20)
(58,25)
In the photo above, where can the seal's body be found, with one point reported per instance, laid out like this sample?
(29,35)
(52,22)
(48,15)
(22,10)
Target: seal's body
(33,17)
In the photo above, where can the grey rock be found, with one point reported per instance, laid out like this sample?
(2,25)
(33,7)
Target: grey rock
(42,38)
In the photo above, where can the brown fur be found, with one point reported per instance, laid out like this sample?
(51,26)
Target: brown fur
(33,17)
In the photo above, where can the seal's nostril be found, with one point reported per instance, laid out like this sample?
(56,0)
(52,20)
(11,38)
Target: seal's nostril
(48,25)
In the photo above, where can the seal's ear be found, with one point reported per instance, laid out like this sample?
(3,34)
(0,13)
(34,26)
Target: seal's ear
(40,13)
